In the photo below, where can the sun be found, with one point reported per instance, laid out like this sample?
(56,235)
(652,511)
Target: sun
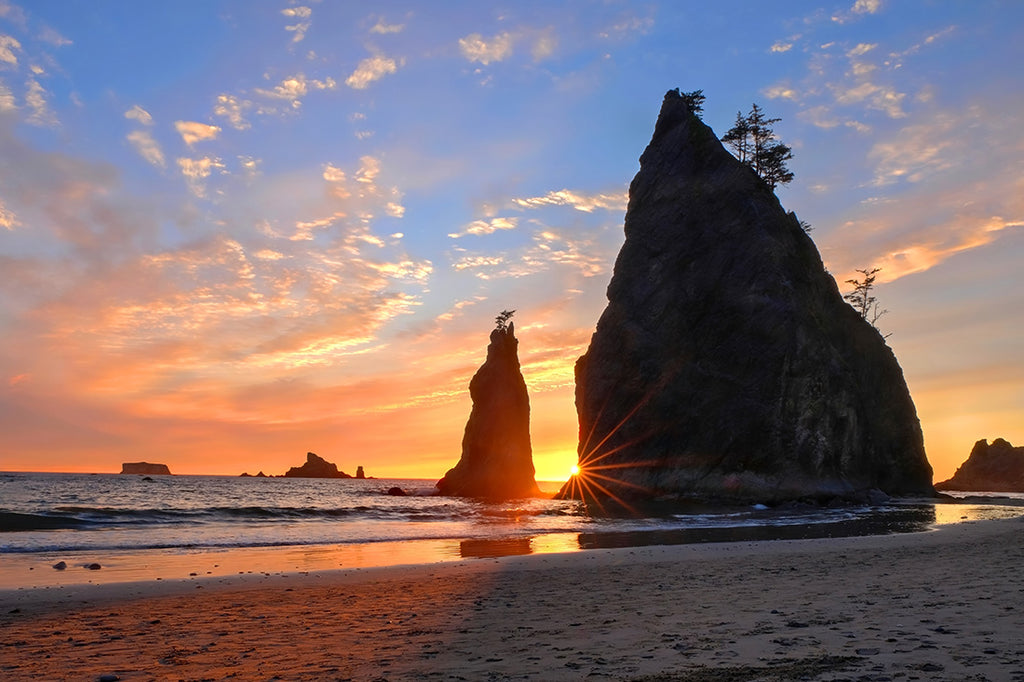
(574,470)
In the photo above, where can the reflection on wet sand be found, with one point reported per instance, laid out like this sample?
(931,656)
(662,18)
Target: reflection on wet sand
(487,549)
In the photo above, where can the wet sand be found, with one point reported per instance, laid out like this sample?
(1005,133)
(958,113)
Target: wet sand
(941,605)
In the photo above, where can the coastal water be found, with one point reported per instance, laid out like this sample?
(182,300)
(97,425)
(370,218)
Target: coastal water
(145,525)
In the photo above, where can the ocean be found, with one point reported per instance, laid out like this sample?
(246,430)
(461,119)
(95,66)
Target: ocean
(187,527)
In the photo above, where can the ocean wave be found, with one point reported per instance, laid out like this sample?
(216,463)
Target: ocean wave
(82,517)
(11,522)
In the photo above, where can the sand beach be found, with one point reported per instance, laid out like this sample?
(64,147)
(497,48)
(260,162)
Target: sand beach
(941,605)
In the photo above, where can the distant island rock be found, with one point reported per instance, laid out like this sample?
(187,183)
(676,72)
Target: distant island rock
(360,474)
(248,475)
(145,469)
(497,458)
(727,366)
(996,468)
(316,467)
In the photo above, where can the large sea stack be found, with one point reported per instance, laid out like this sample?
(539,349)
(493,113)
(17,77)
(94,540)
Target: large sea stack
(497,459)
(726,365)
(998,467)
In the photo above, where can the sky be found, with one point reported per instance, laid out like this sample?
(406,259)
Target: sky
(233,232)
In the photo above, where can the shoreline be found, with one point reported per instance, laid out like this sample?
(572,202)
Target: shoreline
(26,571)
(945,603)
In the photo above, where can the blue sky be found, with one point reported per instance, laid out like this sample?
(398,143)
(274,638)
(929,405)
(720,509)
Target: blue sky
(261,228)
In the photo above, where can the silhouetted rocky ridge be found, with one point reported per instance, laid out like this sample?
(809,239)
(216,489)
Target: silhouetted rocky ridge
(145,469)
(316,467)
(727,366)
(497,458)
(997,468)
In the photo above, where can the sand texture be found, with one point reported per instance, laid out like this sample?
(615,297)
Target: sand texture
(944,605)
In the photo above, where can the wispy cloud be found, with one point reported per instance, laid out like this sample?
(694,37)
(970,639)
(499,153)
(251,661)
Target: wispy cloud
(301,15)
(40,112)
(544,45)
(291,90)
(193,131)
(8,46)
(481,227)
(628,26)
(919,150)
(7,102)
(866,6)
(384,28)
(587,203)
(371,69)
(8,220)
(52,37)
(147,147)
(233,110)
(859,8)
(476,48)
(196,172)
(942,191)
(137,113)
(547,249)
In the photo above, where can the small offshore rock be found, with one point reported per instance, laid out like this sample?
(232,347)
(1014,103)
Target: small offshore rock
(60,565)
(397,492)
(316,467)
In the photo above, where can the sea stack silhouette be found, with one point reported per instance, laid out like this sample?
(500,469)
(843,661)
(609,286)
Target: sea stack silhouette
(316,466)
(145,468)
(497,458)
(997,468)
(727,366)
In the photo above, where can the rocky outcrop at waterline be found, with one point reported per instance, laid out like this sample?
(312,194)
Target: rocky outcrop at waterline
(316,467)
(145,469)
(727,365)
(997,468)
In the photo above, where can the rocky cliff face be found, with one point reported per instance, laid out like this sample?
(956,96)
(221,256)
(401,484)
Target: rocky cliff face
(316,467)
(997,468)
(497,459)
(145,469)
(726,364)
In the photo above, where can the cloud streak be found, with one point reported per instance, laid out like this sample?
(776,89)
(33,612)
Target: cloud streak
(370,70)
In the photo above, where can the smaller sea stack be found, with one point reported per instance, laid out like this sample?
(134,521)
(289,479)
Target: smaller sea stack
(316,467)
(995,468)
(497,458)
(145,469)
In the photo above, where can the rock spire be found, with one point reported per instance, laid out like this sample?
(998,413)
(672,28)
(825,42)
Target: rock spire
(726,365)
(497,459)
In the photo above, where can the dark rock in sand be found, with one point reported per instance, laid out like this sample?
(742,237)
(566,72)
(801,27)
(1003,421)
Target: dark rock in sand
(497,458)
(997,468)
(93,567)
(145,469)
(727,365)
(60,565)
(316,467)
